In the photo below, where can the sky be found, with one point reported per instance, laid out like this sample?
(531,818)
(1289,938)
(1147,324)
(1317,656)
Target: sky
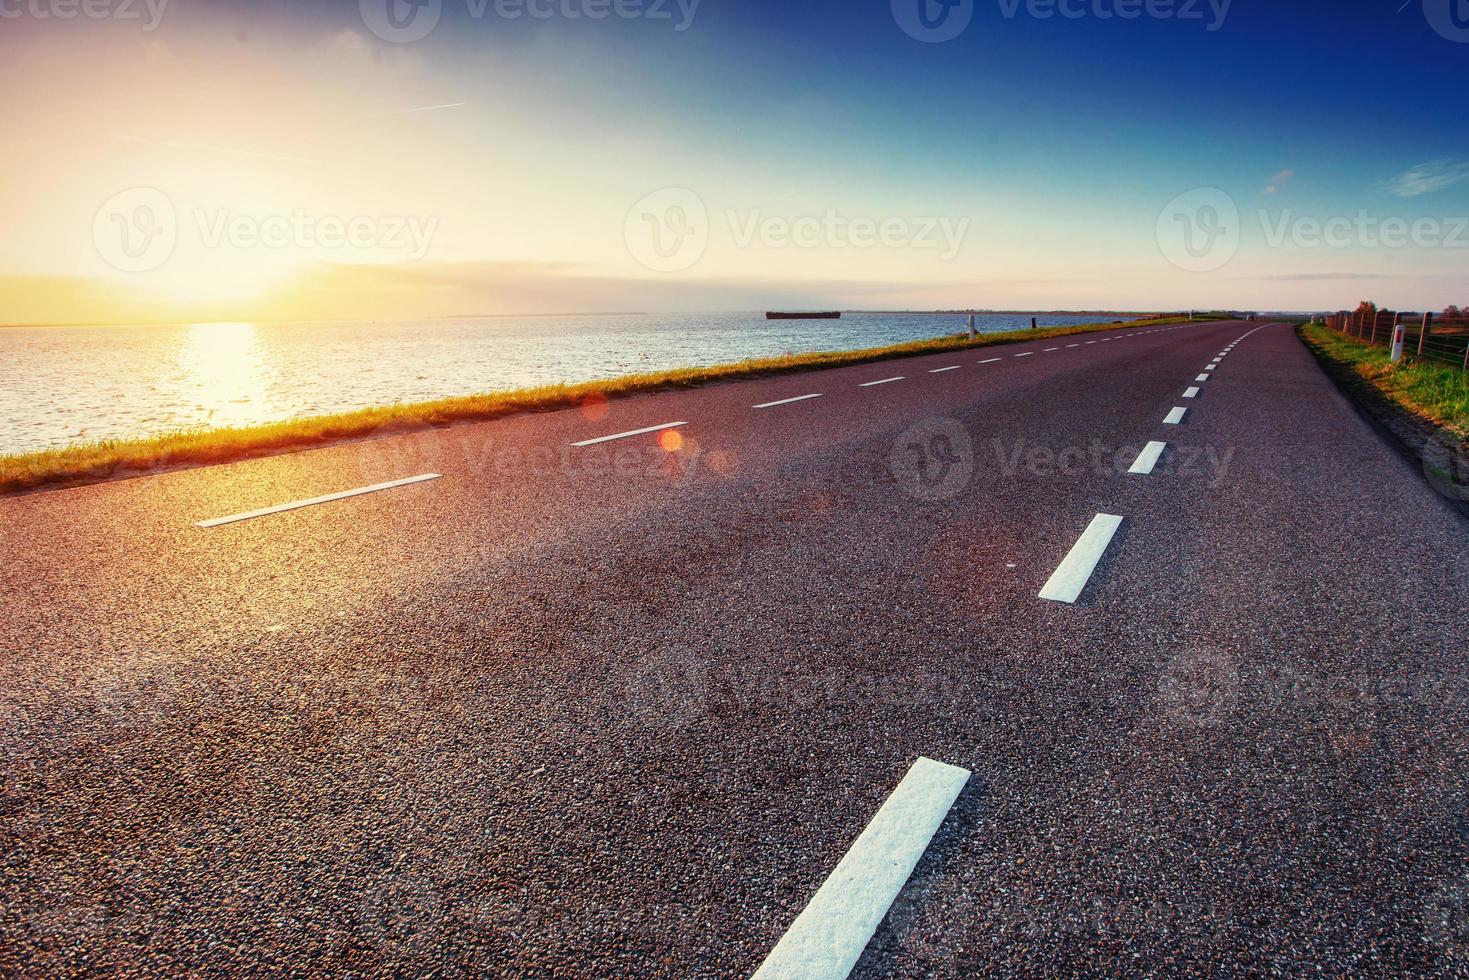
(201,160)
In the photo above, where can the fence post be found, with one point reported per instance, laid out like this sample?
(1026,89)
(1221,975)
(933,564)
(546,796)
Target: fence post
(1399,335)
(1423,336)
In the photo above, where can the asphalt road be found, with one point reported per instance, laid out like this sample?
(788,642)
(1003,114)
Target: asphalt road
(620,709)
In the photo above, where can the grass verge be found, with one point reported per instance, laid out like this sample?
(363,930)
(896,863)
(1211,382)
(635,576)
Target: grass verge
(98,461)
(1434,392)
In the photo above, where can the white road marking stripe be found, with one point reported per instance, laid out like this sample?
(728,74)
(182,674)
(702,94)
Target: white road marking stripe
(789,401)
(1191,393)
(1175,417)
(1202,377)
(1148,458)
(1069,346)
(629,435)
(884,381)
(1090,342)
(1049,349)
(828,937)
(1071,578)
(942,370)
(1026,354)
(297,505)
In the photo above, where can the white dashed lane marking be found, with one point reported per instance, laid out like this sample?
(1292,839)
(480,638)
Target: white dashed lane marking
(884,381)
(828,937)
(992,360)
(1191,393)
(942,370)
(628,435)
(1175,417)
(789,401)
(1070,580)
(1148,458)
(298,504)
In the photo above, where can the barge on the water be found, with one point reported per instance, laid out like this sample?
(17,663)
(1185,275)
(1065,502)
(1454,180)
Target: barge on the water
(803,316)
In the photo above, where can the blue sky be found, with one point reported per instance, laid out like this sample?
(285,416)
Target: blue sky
(1064,155)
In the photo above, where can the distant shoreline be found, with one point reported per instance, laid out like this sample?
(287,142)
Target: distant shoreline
(528,316)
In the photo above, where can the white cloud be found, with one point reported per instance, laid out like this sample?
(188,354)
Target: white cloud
(1429,177)
(1278,181)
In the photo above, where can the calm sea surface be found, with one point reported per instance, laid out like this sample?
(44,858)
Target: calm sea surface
(61,385)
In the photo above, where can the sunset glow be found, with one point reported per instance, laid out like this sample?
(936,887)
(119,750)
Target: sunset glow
(311,169)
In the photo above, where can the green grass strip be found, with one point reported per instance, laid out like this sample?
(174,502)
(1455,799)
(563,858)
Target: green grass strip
(1430,390)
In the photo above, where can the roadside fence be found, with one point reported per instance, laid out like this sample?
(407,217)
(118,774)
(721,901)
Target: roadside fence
(1426,337)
